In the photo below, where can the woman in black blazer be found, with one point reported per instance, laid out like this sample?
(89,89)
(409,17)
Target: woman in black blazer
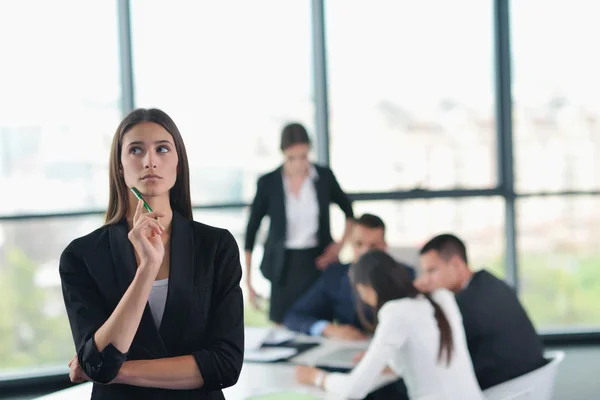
(153,299)
(296,197)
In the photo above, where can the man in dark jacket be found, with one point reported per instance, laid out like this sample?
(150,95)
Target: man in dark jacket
(502,340)
(328,308)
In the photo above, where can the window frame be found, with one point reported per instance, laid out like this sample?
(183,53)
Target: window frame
(36,381)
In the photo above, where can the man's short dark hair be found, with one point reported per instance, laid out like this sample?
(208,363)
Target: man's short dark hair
(370,221)
(447,245)
(293,134)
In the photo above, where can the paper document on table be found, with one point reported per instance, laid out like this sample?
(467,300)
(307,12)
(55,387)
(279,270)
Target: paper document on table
(267,354)
(278,336)
(255,337)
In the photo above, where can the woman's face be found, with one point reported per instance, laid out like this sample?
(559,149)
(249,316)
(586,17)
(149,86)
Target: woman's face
(296,159)
(149,159)
(367,294)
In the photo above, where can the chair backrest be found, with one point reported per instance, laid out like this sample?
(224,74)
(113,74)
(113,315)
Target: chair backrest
(535,385)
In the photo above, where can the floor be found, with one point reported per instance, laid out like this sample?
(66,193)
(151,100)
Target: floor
(577,377)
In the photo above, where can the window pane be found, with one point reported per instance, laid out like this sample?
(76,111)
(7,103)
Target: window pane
(235,220)
(60,101)
(479,222)
(411,94)
(558,260)
(34,330)
(556,92)
(231,74)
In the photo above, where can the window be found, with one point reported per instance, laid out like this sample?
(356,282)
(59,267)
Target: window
(235,221)
(231,74)
(35,332)
(411,94)
(556,92)
(479,222)
(558,261)
(60,102)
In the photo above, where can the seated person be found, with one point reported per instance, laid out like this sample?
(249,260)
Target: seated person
(331,298)
(419,337)
(502,340)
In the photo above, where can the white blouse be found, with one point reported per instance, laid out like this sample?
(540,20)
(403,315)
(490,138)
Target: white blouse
(302,213)
(407,340)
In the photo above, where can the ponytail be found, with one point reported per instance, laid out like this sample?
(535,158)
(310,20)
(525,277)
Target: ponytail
(446,342)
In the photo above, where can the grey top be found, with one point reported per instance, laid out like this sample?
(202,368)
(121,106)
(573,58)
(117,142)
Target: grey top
(158,299)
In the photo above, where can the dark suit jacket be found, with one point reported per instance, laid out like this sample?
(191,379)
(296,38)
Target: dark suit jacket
(331,298)
(203,315)
(502,340)
(270,200)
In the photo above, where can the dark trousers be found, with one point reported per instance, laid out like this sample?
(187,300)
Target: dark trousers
(298,275)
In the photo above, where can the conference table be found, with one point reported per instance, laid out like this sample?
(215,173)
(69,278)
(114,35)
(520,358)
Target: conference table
(255,380)
(276,379)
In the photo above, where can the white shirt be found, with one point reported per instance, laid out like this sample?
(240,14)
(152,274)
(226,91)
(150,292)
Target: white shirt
(302,213)
(407,340)
(158,299)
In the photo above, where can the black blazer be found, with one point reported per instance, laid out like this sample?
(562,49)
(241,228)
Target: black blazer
(502,340)
(203,315)
(270,200)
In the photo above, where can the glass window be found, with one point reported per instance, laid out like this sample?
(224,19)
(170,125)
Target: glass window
(479,222)
(231,74)
(60,102)
(556,92)
(558,261)
(35,332)
(411,94)
(235,220)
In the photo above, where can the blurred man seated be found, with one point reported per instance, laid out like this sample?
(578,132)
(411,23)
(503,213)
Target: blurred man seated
(331,298)
(502,340)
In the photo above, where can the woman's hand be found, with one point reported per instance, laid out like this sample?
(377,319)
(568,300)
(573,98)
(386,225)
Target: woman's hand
(254,298)
(307,375)
(76,374)
(146,237)
(423,285)
(329,256)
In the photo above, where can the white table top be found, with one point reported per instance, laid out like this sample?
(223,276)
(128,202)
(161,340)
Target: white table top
(255,379)
(259,378)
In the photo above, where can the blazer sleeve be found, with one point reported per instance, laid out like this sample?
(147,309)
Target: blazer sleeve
(220,362)
(86,314)
(339,197)
(258,210)
(313,306)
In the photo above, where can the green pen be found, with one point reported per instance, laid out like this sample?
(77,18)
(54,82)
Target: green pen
(139,196)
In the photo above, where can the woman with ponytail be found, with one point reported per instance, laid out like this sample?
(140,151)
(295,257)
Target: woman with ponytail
(418,336)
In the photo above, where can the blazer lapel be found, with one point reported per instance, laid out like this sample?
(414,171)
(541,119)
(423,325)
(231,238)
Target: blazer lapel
(322,197)
(125,266)
(279,194)
(123,255)
(181,283)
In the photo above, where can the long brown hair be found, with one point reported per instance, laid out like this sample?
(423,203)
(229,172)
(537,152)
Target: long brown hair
(391,280)
(118,199)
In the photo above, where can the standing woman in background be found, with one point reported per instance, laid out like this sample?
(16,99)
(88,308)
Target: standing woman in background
(153,298)
(296,197)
